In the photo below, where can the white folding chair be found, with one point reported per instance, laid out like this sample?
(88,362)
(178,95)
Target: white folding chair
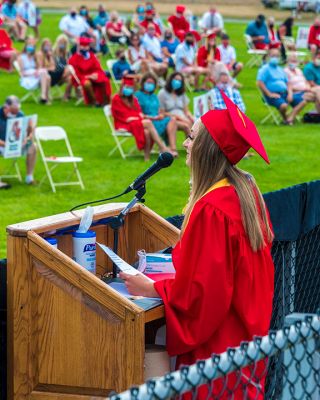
(55,133)
(120,136)
(255,54)
(272,112)
(33,93)
(115,81)
(8,175)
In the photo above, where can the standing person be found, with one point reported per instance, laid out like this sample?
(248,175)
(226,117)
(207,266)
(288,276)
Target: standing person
(127,115)
(228,56)
(174,102)
(223,289)
(179,23)
(89,75)
(166,126)
(212,21)
(186,58)
(12,109)
(31,75)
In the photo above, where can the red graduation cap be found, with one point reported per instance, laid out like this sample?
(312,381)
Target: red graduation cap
(128,81)
(85,41)
(233,132)
(180,8)
(211,35)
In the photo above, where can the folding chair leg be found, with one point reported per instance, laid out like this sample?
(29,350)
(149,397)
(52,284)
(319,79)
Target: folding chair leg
(78,175)
(18,171)
(25,97)
(119,147)
(48,171)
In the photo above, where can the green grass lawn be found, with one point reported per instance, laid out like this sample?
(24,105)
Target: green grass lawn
(293,152)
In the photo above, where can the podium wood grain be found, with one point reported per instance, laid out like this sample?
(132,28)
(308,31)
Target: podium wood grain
(69,334)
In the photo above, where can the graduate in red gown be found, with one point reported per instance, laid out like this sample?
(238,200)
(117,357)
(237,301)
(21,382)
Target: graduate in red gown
(127,115)
(179,23)
(223,289)
(209,52)
(89,75)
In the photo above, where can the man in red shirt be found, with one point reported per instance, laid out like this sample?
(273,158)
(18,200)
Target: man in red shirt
(149,20)
(314,36)
(179,23)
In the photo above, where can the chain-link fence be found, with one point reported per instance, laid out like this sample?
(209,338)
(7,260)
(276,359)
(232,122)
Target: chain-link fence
(240,373)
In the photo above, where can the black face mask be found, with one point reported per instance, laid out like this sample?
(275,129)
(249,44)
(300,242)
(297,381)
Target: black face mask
(73,14)
(271,25)
(168,37)
(259,23)
(123,58)
(189,42)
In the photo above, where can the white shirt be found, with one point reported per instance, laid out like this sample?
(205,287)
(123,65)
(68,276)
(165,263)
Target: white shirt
(227,54)
(211,20)
(184,52)
(152,45)
(137,54)
(74,26)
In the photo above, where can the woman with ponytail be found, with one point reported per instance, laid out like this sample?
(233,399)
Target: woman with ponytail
(222,292)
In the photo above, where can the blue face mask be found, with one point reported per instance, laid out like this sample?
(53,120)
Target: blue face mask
(127,91)
(30,49)
(62,46)
(176,84)
(274,61)
(83,12)
(102,14)
(140,10)
(149,87)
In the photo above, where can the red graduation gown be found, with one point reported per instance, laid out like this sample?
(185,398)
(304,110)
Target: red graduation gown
(84,67)
(121,112)
(222,292)
(202,56)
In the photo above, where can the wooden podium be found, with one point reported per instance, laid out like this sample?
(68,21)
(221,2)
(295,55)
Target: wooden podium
(69,334)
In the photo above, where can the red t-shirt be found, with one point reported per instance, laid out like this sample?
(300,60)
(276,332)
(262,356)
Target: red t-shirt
(314,35)
(116,26)
(202,56)
(145,24)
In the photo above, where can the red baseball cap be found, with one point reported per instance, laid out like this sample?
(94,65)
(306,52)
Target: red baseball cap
(180,8)
(85,41)
(233,132)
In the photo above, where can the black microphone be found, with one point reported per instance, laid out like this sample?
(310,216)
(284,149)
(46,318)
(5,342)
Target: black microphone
(164,160)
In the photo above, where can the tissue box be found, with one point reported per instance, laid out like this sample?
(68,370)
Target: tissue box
(157,263)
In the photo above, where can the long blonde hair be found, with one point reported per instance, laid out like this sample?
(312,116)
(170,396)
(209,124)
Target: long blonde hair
(208,166)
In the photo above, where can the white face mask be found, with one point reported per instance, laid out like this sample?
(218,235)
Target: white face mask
(292,65)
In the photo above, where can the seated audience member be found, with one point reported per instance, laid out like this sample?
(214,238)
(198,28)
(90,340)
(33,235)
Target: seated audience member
(258,31)
(89,75)
(101,19)
(116,30)
(31,75)
(179,23)
(174,102)
(154,53)
(28,13)
(169,45)
(212,21)
(224,83)
(45,59)
(85,14)
(186,58)
(138,16)
(314,36)
(312,70)
(16,26)
(62,69)
(73,25)
(298,87)
(94,32)
(228,56)
(11,109)
(273,34)
(121,67)
(209,56)
(155,16)
(127,115)
(273,83)
(137,55)
(7,53)
(166,126)
(149,20)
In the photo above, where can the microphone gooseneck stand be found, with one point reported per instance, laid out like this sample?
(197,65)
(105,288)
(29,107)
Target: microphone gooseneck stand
(118,221)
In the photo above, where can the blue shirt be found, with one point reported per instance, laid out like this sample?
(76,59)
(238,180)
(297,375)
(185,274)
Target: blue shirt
(312,73)
(101,19)
(171,46)
(119,67)
(149,103)
(3,123)
(274,78)
(254,30)
(9,11)
(183,51)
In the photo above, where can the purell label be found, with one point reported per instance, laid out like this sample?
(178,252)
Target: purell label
(89,247)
